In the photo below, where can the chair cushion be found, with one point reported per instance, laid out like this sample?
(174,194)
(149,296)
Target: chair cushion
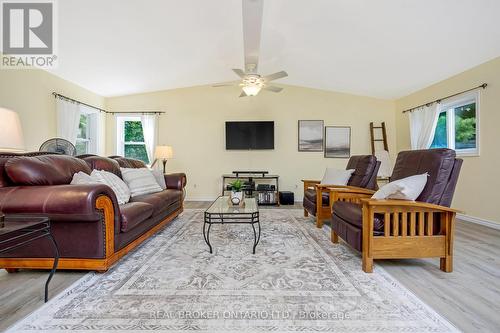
(364,166)
(334,176)
(140,181)
(160,200)
(133,213)
(310,194)
(408,188)
(352,214)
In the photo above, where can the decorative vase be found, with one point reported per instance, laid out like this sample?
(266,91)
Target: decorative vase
(236,197)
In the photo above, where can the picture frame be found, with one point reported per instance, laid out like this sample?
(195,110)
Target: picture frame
(310,135)
(337,141)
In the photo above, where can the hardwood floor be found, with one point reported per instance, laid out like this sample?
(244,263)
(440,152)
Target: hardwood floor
(469,297)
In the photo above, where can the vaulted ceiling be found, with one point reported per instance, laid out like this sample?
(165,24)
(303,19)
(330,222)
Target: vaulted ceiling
(382,48)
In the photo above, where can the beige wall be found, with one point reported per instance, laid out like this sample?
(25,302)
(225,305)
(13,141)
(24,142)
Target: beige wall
(194,126)
(478,180)
(29,92)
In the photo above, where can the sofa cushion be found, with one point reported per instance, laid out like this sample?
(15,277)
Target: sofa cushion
(310,194)
(133,213)
(352,214)
(103,163)
(44,170)
(128,162)
(160,201)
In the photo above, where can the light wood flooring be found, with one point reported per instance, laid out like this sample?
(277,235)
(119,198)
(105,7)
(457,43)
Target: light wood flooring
(469,297)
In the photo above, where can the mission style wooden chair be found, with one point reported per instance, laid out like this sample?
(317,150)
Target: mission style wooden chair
(398,229)
(317,198)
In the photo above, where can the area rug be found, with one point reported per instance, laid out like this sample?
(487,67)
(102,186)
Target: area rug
(298,281)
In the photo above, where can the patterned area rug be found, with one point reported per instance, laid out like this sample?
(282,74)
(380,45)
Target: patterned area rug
(298,281)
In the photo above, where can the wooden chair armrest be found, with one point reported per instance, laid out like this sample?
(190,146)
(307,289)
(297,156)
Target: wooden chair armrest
(352,189)
(408,204)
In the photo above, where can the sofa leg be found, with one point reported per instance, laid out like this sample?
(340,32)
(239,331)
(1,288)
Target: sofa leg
(12,270)
(102,271)
(334,237)
(446,264)
(306,213)
(319,221)
(367,264)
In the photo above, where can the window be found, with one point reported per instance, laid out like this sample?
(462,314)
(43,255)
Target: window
(131,138)
(458,125)
(83,136)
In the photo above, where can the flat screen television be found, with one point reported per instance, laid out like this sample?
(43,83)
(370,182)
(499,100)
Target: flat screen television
(246,135)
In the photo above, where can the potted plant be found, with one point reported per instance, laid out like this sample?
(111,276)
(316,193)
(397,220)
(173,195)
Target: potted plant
(236,193)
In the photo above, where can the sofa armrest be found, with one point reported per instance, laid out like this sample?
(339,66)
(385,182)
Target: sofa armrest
(60,202)
(176,181)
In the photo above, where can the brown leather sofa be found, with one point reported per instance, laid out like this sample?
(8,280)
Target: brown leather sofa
(92,231)
(388,229)
(364,176)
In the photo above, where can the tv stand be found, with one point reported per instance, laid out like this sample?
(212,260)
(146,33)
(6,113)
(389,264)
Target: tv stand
(257,184)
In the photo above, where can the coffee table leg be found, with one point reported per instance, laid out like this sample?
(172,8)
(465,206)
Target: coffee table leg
(206,234)
(255,241)
(54,266)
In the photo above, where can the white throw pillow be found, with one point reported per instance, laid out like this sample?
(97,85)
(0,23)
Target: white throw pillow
(140,181)
(336,177)
(160,178)
(118,186)
(408,188)
(81,178)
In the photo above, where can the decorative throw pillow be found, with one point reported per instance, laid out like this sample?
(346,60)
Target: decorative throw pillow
(118,186)
(81,178)
(408,188)
(140,181)
(336,177)
(160,178)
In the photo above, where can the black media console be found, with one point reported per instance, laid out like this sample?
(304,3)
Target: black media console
(256,184)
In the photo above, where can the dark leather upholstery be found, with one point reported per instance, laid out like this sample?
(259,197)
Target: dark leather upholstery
(103,163)
(134,213)
(365,171)
(129,162)
(443,168)
(364,175)
(44,170)
(77,225)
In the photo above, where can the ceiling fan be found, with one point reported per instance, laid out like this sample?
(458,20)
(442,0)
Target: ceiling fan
(251,82)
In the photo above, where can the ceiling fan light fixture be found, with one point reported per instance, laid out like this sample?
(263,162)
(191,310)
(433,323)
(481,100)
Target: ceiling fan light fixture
(252,90)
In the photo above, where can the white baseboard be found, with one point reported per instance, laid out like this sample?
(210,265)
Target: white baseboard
(480,221)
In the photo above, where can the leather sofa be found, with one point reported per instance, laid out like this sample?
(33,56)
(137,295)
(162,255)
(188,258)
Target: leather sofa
(389,229)
(92,231)
(364,176)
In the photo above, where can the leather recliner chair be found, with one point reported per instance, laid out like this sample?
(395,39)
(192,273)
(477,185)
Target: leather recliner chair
(398,229)
(317,201)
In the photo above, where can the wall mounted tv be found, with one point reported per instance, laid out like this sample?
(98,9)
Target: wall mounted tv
(246,135)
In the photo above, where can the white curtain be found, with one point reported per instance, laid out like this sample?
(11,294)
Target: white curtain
(95,133)
(423,123)
(149,128)
(68,119)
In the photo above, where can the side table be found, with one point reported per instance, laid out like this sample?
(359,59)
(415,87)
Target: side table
(20,230)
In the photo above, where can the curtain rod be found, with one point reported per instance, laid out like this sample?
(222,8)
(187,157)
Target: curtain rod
(484,85)
(57,95)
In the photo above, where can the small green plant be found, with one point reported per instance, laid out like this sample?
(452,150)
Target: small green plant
(236,185)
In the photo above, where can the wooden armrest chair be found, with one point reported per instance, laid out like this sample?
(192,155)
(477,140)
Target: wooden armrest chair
(397,229)
(317,196)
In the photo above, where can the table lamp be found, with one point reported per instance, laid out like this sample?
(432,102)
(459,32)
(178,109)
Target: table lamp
(11,137)
(164,153)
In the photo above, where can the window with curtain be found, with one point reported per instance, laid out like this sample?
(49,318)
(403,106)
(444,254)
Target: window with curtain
(79,124)
(458,125)
(130,138)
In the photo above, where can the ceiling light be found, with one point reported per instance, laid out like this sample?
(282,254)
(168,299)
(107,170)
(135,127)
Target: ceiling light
(252,90)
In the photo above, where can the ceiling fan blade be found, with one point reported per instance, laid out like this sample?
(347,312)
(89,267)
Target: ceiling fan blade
(273,89)
(226,84)
(239,72)
(252,28)
(275,76)
(243,94)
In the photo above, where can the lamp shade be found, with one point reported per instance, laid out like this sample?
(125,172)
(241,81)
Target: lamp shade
(164,152)
(11,133)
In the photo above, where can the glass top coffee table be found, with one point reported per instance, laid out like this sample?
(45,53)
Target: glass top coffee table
(221,211)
